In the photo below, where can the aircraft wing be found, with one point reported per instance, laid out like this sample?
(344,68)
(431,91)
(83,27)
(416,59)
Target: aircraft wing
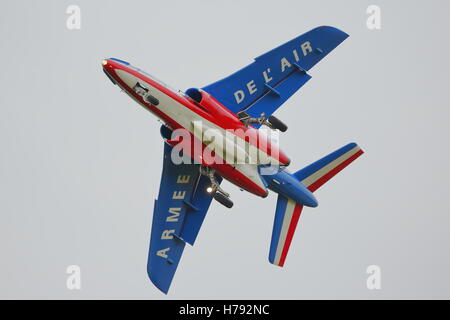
(265,84)
(178,214)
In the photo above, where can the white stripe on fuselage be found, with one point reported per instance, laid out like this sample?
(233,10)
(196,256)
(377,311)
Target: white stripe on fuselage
(185,117)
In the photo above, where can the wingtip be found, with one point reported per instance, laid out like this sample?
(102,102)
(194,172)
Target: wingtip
(272,261)
(164,288)
(335,30)
(355,145)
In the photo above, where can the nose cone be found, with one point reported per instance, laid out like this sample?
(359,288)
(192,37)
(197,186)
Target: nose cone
(108,64)
(119,71)
(108,71)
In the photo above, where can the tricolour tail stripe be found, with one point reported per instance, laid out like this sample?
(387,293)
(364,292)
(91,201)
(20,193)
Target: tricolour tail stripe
(316,174)
(292,225)
(286,219)
(288,211)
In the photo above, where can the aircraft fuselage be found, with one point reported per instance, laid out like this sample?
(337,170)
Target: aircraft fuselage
(198,119)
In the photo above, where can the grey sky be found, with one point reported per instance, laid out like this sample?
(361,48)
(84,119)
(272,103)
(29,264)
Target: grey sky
(80,163)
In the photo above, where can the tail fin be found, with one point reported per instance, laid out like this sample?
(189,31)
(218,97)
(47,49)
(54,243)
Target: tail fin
(288,211)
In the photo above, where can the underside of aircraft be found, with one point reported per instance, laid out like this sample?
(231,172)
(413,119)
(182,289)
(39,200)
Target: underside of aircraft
(241,103)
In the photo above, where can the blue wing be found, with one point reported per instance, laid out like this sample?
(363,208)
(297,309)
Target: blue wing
(178,214)
(273,77)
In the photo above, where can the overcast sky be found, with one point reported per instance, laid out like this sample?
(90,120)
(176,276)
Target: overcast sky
(80,163)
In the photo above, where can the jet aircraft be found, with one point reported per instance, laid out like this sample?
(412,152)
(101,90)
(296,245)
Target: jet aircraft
(214,133)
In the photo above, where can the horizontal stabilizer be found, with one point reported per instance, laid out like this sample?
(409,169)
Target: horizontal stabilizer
(287,215)
(288,211)
(319,172)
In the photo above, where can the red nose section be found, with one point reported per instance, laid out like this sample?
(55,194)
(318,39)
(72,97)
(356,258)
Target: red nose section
(112,64)
(108,68)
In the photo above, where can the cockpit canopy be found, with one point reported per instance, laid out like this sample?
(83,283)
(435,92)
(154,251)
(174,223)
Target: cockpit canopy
(195,94)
